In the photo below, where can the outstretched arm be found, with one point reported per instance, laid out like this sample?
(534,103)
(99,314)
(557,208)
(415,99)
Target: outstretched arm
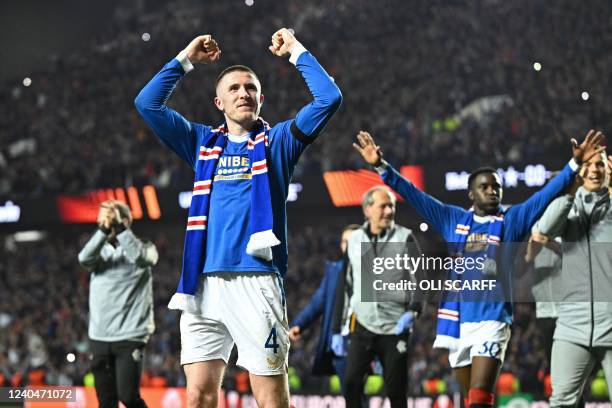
(441,216)
(532,209)
(314,308)
(554,220)
(170,126)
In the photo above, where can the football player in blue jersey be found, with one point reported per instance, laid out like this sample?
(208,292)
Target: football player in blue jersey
(477,332)
(235,255)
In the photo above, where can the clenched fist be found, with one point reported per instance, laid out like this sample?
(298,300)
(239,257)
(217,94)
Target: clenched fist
(282,42)
(203,50)
(295,333)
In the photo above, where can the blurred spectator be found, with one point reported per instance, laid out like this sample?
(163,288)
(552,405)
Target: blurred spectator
(120,305)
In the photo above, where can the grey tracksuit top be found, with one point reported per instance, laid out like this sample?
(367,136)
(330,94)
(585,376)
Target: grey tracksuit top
(585,224)
(120,288)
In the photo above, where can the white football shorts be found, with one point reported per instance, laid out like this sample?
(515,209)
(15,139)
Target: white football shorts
(480,339)
(247,309)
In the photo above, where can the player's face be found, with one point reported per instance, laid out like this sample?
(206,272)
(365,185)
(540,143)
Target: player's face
(486,193)
(239,97)
(382,211)
(593,173)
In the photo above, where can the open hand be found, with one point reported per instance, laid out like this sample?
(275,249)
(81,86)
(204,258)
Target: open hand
(591,146)
(405,323)
(367,149)
(203,50)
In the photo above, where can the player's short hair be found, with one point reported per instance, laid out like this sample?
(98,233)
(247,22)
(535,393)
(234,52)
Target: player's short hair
(368,197)
(233,68)
(479,171)
(124,211)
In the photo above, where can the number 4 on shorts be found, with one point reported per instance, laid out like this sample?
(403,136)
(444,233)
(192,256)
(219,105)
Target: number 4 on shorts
(271,342)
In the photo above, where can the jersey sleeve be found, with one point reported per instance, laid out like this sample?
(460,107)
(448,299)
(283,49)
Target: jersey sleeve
(314,308)
(442,217)
(89,256)
(525,215)
(554,220)
(171,127)
(312,118)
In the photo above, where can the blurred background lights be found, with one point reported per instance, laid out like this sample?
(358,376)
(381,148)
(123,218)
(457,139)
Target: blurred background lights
(424,227)
(146,36)
(27,81)
(249,2)
(585,95)
(537,66)
(70,357)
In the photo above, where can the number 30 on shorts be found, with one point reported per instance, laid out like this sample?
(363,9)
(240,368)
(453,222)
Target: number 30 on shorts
(492,348)
(271,341)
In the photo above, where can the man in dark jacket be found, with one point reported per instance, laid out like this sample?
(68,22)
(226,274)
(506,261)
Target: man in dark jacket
(323,303)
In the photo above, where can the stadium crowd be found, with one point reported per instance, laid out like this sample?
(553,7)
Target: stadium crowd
(44,312)
(436,80)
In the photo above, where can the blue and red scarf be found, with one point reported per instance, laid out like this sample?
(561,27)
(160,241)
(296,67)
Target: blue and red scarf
(262,238)
(448,328)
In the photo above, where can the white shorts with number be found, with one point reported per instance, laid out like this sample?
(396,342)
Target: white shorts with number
(243,308)
(480,339)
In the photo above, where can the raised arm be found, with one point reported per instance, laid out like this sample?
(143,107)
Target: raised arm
(314,308)
(313,117)
(553,221)
(442,217)
(529,211)
(90,254)
(170,126)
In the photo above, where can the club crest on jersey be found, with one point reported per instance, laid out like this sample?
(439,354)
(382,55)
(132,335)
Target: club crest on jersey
(476,242)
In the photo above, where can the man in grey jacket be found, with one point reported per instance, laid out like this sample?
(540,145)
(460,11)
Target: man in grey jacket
(120,305)
(382,319)
(583,334)
(543,258)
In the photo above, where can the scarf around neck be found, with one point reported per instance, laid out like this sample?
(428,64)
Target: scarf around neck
(448,327)
(262,238)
